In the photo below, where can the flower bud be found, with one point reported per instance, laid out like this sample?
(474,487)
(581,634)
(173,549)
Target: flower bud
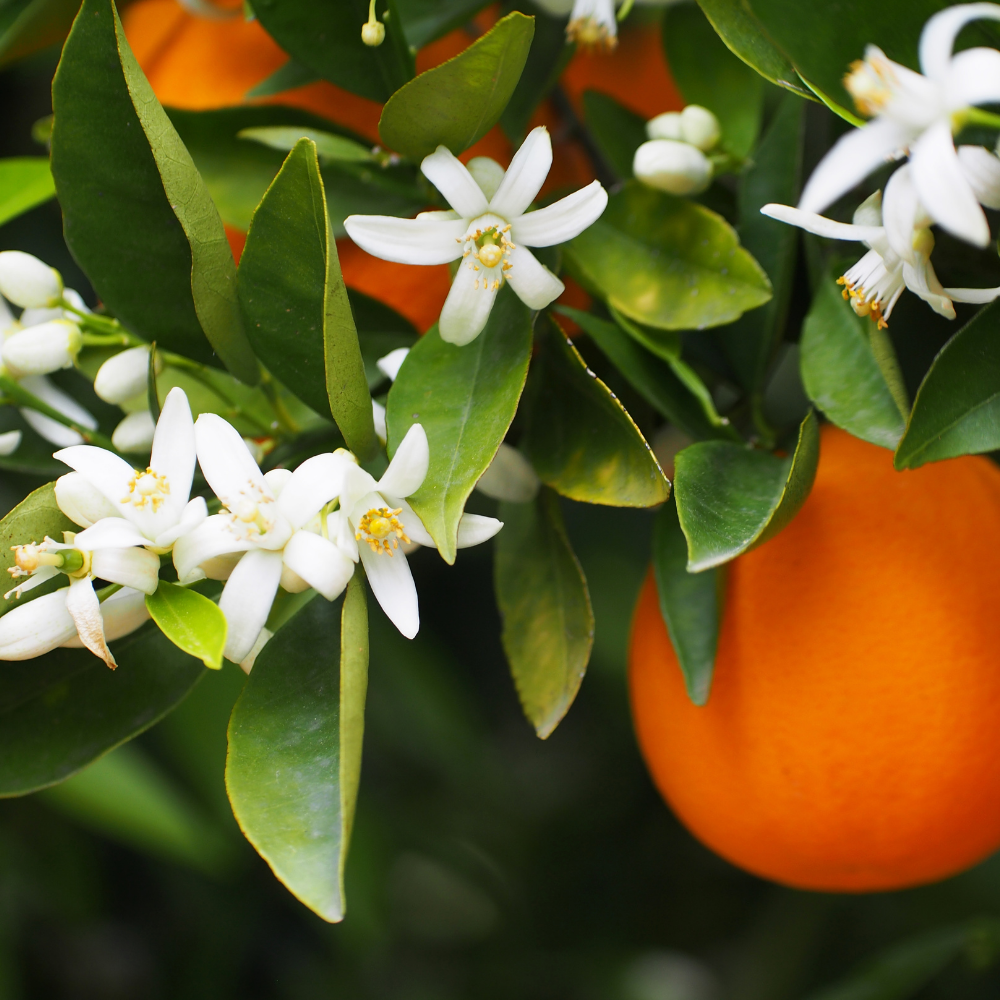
(81,501)
(10,442)
(389,365)
(43,349)
(373,33)
(28,282)
(123,376)
(665,126)
(36,627)
(699,127)
(676,167)
(135,433)
(510,477)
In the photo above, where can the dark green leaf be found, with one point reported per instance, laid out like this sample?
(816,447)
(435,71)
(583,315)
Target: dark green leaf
(691,604)
(60,711)
(326,38)
(457,103)
(731,499)
(707,73)
(579,438)
(27,26)
(548,624)
(328,145)
(190,621)
(380,330)
(25,181)
(295,748)
(665,344)
(295,303)
(426,20)
(667,262)
(293,74)
(465,398)
(152,393)
(33,454)
(618,131)
(957,409)
(774,176)
(840,372)
(136,213)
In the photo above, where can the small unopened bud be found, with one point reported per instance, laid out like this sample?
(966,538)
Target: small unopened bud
(9,442)
(123,376)
(665,126)
(42,349)
(699,127)
(28,282)
(389,365)
(373,31)
(675,167)
(135,433)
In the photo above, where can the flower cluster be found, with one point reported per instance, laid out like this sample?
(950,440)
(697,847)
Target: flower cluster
(674,158)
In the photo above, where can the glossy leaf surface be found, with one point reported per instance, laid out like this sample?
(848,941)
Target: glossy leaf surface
(579,438)
(25,181)
(457,103)
(190,621)
(295,747)
(169,273)
(731,499)
(619,132)
(548,624)
(667,262)
(465,398)
(691,604)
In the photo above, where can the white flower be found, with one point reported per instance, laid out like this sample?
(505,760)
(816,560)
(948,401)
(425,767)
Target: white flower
(592,22)
(488,229)
(695,125)
(376,515)
(134,434)
(39,350)
(263,538)
(123,376)
(918,113)
(510,477)
(676,167)
(9,442)
(53,431)
(105,551)
(153,503)
(28,282)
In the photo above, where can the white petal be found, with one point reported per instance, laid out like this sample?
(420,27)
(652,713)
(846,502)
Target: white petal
(246,664)
(536,286)
(81,501)
(407,241)
(28,282)
(510,476)
(974,78)
(563,219)
(357,483)
(54,432)
(525,175)
(853,157)
(277,480)
(474,529)
(123,612)
(902,213)
(393,587)
(978,296)
(665,126)
(340,531)
(123,376)
(193,514)
(924,282)
(134,434)
(136,568)
(109,532)
(312,486)
(226,461)
(389,365)
(246,600)
(820,225)
(211,539)
(173,453)
(38,577)
(467,308)
(10,441)
(85,610)
(411,523)
(451,177)
(408,468)
(943,189)
(869,212)
(319,562)
(447,215)
(982,170)
(378,418)
(675,167)
(36,627)
(938,37)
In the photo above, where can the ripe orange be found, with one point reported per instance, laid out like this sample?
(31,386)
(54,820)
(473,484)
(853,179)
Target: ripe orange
(851,741)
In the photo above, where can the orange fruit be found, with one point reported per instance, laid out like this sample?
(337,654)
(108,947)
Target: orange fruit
(851,741)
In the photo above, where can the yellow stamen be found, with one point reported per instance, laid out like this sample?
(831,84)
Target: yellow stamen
(381,529)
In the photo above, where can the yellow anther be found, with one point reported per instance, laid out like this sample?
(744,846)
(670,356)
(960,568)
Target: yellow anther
(147,487)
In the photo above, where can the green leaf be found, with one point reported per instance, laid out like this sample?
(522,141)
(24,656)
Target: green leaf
(457,103)
(774,176)
(26,26)
(707,73)
(60,711)
(465,398)
(666,262)
(328,145)
(744,35)
(579,438)
(33,454)
(957,409)
(731,499)
(691,604)
(126,796)
(326,38)
(137,216)
(618,131)
(665,344)
(25,181)
(380,330)
(548,623)
(426,20)
(295,303)
(295,748)
(840,372)
(190,621)
(651,377)
(287,77)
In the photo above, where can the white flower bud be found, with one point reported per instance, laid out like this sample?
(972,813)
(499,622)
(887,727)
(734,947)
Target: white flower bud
(135,433)
(82,502)
(123,376)
(665,126)
(28,282)
(699,127)
(36,627)
(676,167)
(389,365)
(10,442)
(487,173)
(373,33)
(8,325)
(54,432)
(43,349)
(509,477)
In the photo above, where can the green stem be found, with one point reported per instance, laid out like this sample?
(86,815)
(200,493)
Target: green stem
(765,432)
(105,592)
(974,116)
(20,396)
(625,9)
(104,339)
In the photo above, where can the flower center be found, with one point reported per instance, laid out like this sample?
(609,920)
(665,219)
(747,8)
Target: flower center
(147,487)
(381,529)
(32,557)
(248,516)
(486,248)
(589,31)
(873,288)
(872,83)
